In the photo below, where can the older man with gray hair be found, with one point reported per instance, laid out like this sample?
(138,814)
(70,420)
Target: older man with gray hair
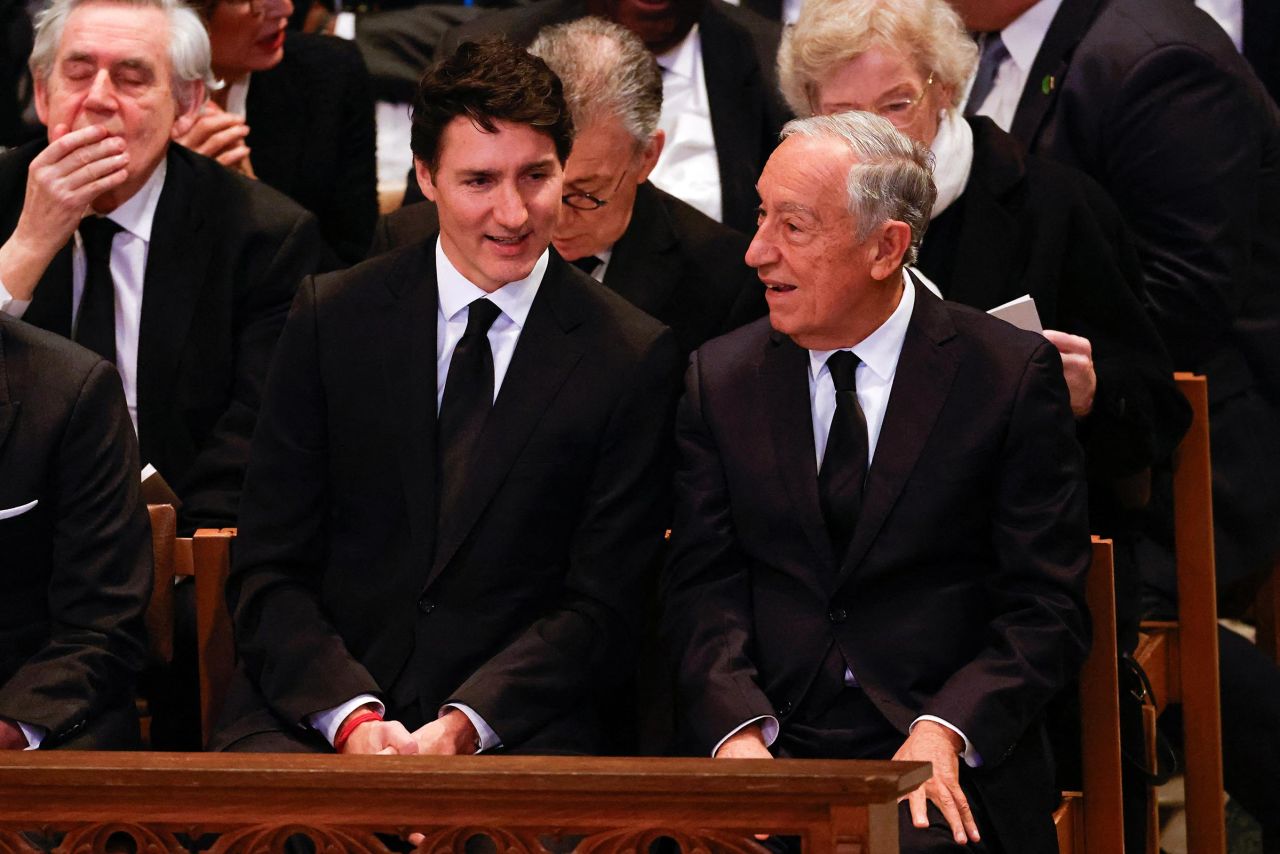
(880,535)
(167,265)
(664,256)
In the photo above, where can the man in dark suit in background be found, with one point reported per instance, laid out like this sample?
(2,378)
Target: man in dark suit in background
(1152,100)
(663,256)
(183,272)
(76,556)
(459,482)
(880,535)
(735,118)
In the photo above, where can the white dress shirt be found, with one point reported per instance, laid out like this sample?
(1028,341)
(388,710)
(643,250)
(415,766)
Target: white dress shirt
(688,167)
(129,250)
(1023,39)
(1230,16)
(878,355)
(456,294)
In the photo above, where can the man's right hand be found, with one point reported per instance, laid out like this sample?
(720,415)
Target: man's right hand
(11,737)
(76,168)
(382,737)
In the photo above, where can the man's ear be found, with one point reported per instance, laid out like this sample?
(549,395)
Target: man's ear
(649,155)
(41,99)
(186,118)
(886,247)
(423,173)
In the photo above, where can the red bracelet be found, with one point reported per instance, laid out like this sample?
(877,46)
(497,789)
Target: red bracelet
(350,726)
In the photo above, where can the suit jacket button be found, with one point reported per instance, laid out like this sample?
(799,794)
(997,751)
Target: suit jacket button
(784,710)
(837,615)
(425,605)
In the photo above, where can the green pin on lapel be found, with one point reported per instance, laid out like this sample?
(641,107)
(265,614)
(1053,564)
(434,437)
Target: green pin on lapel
(1047,84)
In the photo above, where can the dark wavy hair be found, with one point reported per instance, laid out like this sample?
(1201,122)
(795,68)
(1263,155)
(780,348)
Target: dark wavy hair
(489,81)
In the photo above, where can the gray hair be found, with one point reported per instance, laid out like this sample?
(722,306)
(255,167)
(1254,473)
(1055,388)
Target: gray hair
(830,33)
(606,71)
(189,52)
(891,177)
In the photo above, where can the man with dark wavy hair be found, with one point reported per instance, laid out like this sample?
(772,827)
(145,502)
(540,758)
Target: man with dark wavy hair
(458,490)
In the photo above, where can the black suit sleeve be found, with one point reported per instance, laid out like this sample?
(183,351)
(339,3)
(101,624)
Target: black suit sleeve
(1186,179)
(211,490)
(283,635)
(589,638)
(1039,633)
(706,591)
(101,570)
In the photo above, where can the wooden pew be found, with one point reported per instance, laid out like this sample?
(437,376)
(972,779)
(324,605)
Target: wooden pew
(1181,658)
(1092,821)
(256,801)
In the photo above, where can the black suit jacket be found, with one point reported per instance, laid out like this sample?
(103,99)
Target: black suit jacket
(312,136)
(226,256)
(673,262)
(76,567)
(523,602)
(961,595)
(1152,100)
(1262,42)
(739,55)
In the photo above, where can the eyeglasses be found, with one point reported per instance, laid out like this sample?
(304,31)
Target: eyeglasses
(902,111)
(589,201)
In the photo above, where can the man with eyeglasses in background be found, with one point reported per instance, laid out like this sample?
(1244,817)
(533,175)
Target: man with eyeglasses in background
(661,254)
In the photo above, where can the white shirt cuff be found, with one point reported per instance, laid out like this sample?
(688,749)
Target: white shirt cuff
(768,731)
(328,722)
(971,757)
(488,738)
(34,734)
(10,306)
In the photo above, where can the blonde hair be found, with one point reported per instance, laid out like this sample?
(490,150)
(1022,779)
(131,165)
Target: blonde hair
(830,33)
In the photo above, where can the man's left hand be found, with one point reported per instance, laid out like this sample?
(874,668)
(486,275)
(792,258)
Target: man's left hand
(934,743)
(1077,369)
(452,734)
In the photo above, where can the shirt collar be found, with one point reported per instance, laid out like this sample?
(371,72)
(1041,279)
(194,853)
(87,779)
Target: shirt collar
(137,214)
(682,60)
(880,350)
(1024,36)
(514,298)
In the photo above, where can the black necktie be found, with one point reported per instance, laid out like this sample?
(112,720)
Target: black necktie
(96,323)
(587,264)
(844,465)
(993,54)
(468,397)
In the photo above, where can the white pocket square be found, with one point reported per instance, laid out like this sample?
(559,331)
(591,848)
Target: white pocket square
(19,510)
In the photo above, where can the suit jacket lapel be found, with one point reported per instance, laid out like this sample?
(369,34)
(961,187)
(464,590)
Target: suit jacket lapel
(409,375)
(275,129)
(178,259)
(926,370)
(979,275)
(644,267)
(543,360)
(735,92)
(8,408)
(784,394)
(1045,80)
(51,304)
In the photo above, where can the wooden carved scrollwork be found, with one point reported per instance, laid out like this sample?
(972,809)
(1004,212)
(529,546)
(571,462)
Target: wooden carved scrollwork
(327,840)
(633,841)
